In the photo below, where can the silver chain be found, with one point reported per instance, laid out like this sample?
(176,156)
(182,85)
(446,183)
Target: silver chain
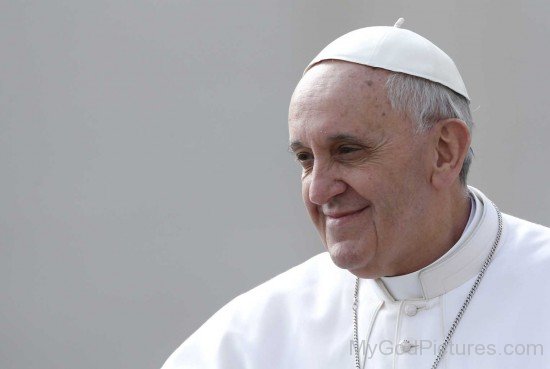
(443,347)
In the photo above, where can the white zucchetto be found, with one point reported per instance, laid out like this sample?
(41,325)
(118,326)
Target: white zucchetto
(398,50)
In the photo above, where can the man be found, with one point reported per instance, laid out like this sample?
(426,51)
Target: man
(422,271)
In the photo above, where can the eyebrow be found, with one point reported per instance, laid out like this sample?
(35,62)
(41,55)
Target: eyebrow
(295,145)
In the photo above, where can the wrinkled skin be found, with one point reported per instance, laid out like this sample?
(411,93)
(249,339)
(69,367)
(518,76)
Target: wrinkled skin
(367,176)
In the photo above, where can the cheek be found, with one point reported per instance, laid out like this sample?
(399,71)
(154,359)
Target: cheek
(383,191)
(365,181)
(311,208)
(305,197)
(305,193)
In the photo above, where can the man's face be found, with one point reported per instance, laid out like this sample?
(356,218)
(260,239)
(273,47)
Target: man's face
(365,178)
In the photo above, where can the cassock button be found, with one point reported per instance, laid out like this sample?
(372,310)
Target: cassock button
(405,345)
(411,310)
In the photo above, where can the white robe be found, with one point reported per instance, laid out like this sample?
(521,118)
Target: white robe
(303,318)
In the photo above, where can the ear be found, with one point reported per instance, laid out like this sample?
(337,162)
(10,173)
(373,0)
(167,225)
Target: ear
(452,142)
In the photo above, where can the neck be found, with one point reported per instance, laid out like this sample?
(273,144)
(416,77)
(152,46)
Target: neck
(443,229)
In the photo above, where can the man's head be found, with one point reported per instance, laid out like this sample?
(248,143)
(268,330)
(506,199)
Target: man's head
(377,185)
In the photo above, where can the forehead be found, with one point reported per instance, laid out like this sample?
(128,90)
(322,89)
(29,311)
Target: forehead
(340,98)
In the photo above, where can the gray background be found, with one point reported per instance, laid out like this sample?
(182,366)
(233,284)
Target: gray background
(144,174)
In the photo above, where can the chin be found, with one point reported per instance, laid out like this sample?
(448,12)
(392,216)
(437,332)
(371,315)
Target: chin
(347,255)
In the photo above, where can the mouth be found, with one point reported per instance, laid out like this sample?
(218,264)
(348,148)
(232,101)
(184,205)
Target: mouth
(338,218)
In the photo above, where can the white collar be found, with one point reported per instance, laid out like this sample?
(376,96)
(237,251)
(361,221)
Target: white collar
(460,263)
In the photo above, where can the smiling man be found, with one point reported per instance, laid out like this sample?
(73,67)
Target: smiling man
(370,180)
(422,271)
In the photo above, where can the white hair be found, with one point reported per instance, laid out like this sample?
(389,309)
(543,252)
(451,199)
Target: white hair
(426,102)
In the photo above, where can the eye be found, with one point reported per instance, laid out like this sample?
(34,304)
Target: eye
(303,156)
(347,149)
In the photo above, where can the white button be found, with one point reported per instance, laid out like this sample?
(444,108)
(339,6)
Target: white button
(405,345)
(411,310)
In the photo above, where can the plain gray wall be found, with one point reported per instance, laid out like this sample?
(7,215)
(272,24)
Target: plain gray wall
(144,174)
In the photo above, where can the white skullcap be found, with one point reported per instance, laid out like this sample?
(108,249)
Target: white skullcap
(397,50)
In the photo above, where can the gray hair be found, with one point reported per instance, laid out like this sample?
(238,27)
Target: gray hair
(426,102)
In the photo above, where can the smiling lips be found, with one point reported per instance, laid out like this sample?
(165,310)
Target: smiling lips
(341,217)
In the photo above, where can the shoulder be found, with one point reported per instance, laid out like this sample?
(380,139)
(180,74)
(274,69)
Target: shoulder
(274,311)
(295,291)
(525,247)
(319,270)
(527,236)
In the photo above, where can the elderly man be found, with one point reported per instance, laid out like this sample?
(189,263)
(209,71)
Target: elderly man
(422,271)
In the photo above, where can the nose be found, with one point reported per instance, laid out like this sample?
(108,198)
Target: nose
(324,184)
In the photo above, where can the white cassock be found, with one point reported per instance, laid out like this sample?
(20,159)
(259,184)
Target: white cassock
(303,317)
